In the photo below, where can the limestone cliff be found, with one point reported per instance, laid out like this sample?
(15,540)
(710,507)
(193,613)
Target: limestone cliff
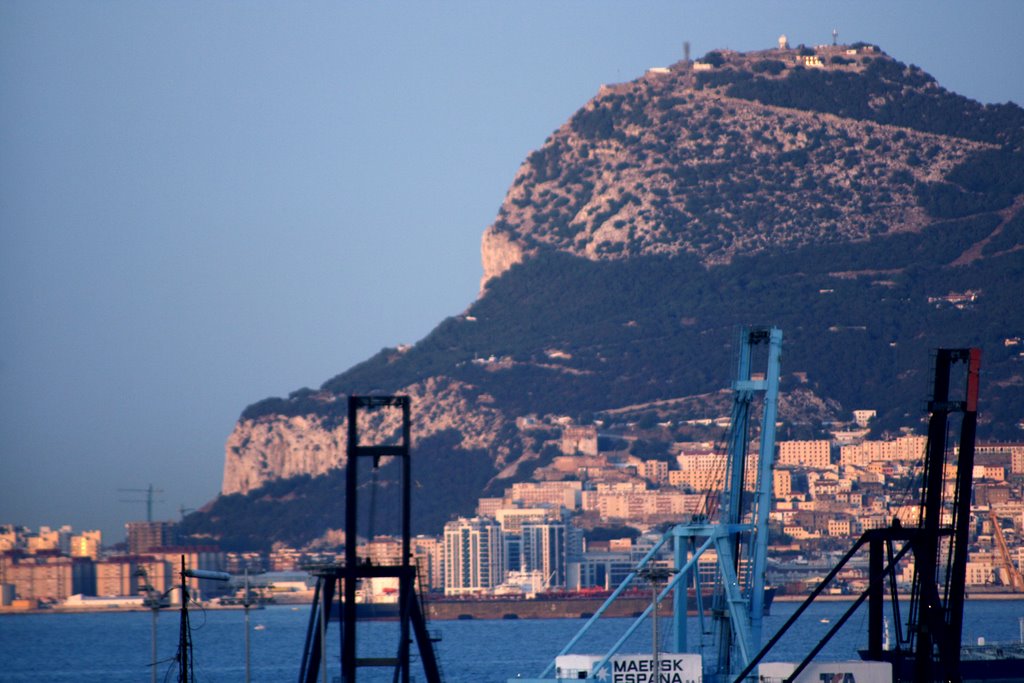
(277,446)
(498,253)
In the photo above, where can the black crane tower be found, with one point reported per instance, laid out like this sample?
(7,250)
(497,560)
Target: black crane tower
(344,578)
(927,646)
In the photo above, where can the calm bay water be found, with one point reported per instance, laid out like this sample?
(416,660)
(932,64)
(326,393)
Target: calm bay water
(116,646)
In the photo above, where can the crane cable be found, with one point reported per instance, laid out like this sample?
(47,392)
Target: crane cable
(372,521)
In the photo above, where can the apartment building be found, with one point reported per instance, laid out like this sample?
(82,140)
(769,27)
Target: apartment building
(428,554)
(653,470)
(47,576)
(144,536)
(382,550)
(86,544)
(551,493)
(545,548)
(473,556)
(904,448)
(126,575)
(1013,452)
(813,454)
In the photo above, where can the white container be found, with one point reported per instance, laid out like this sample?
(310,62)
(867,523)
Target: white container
(831,672)
(632,668)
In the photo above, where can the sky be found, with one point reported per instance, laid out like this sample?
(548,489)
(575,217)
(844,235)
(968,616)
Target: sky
(203,204)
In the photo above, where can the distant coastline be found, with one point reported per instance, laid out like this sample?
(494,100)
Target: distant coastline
(851,598)
(4,611)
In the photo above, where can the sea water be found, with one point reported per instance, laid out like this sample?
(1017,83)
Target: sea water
(116,646)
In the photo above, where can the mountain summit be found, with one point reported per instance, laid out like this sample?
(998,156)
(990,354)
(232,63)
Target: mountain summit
(738,153)
(833,191)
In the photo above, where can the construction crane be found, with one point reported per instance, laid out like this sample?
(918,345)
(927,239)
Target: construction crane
(1015,580)
(150,496)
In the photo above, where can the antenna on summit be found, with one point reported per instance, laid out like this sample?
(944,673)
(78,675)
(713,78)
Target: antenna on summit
(686,51)
(835,36)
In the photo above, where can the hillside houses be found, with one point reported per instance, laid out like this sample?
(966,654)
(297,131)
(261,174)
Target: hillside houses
(594,509)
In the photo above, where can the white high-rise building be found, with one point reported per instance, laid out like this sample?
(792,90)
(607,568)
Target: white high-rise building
(545,549)
(473,556)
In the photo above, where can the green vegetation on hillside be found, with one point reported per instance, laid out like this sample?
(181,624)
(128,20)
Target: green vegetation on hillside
(987,180)
(649,328)
(1012,235)
(890,93)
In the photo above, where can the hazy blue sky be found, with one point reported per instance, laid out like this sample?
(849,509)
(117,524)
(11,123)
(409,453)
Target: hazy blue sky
(206,203)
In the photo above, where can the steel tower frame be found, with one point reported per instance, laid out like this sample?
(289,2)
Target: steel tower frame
(929,649)
(345,577)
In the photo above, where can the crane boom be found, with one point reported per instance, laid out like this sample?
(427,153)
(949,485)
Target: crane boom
(1016,581)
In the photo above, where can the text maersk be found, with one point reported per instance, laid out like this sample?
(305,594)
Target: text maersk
(636,670)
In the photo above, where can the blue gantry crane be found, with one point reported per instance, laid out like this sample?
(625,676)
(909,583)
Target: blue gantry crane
(738,537)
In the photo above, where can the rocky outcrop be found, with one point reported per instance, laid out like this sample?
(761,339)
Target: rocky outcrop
(498,253)
(802,405)
(279,446)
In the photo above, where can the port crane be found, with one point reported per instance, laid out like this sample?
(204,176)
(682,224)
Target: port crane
(1014,579)
(928,644)
(738,539)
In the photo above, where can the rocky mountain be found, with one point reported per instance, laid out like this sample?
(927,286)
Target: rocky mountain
(834,192)
(753,153)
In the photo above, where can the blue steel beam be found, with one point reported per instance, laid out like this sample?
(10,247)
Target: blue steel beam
(766,457)
(737,604)
(643,615)
(611,598)
(679,559)
(742,600)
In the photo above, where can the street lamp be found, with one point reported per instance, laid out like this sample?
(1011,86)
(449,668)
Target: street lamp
(247,602)
(185,662)
(655,576)
(154,600)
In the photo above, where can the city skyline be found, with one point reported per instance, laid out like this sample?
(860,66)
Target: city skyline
(197,200)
